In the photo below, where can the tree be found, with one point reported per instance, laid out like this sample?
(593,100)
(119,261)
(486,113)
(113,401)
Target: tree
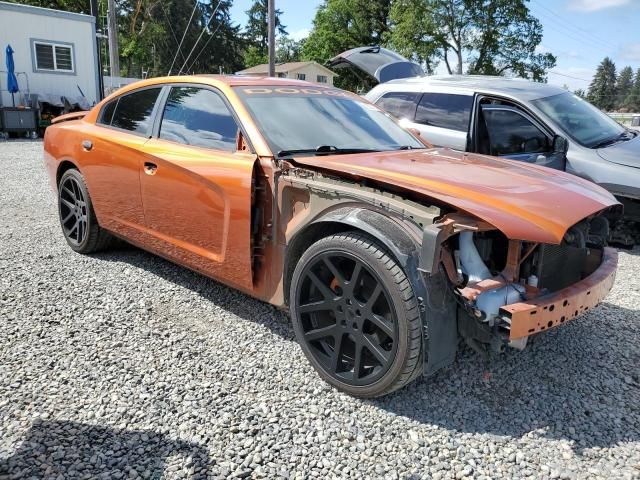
(580,93)
(504,39)
(632,102)
(343,24)
(257,30)
(493,37)
(289,50)
(602,91)
(413,33)
(624,85)
(77,6)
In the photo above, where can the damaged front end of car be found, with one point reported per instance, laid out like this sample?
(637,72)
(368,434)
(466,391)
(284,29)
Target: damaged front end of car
(509,290)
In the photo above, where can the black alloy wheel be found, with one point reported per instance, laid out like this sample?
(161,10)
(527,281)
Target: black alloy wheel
(73,211)
(77,217)
(351,318)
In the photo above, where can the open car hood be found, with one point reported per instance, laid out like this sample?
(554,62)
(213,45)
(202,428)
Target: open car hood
(525,202)
(378,62)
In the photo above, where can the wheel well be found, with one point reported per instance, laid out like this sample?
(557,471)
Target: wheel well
(303,240)
(62,168)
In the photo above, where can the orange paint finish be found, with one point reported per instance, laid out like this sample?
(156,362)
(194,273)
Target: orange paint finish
(533,316)
(525,202)
(193,205)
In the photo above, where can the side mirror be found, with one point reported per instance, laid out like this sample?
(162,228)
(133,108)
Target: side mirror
(560,144)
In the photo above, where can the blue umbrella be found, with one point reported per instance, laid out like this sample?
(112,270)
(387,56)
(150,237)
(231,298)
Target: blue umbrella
(12,81)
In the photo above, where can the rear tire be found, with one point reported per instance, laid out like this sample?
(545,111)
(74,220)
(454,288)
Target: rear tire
(77,217)
(355,315)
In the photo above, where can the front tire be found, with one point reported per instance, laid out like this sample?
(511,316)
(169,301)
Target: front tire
(355,315)
(77,217)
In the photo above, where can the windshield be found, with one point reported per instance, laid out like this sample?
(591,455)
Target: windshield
(580,120)
(313,121)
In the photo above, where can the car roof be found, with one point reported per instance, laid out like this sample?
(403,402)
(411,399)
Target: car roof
(514,87)
(218,81)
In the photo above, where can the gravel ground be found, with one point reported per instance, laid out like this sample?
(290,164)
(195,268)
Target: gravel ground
(124,365)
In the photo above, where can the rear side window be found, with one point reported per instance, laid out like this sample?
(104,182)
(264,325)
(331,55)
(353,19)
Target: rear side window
(133,112)
(445,111)
(399,104)
(107,112)
(198,117)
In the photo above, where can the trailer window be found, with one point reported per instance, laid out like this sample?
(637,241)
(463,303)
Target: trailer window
(54,57)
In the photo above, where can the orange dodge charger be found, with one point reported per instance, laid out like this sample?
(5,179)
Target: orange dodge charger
(385,251)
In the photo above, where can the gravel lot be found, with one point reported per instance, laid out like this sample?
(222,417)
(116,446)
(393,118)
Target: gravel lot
(122,365)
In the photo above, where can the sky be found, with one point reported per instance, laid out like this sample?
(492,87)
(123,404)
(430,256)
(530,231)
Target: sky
(579,32)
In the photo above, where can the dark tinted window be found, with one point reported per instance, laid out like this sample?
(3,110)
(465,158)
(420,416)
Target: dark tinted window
(133,112)
(400,104)
(510,133)
(107,112)
(198,117)
(446,111)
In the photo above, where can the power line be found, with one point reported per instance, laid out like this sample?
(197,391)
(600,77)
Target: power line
(576,28)
(200,36)
(569,76)
(173,33)
(183,35)
(204,47)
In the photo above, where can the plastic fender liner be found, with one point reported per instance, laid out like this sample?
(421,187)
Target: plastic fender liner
(436,302)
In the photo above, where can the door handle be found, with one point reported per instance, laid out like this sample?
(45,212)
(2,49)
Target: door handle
(87,145)
(150,168)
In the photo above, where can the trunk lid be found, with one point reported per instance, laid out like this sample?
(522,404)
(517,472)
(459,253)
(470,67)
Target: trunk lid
(382,64)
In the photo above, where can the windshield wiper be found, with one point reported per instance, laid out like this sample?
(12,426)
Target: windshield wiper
(324,150)
(624,136)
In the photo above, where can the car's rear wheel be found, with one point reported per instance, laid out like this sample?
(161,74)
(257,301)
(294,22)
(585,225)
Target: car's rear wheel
(77,217)
(356,316)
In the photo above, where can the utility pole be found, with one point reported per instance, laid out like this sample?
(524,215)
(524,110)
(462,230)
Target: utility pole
(93,4)
(114,51)
(272,38)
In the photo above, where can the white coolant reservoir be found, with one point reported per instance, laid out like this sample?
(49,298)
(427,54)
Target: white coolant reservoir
(490,301)
(470,259)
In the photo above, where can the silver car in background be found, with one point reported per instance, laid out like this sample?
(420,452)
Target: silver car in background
(517,119)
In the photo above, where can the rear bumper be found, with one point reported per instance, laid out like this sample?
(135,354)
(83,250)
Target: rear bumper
(534,316)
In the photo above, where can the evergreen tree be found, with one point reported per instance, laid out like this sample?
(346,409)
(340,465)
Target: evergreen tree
(257,30)
(624,85)
(602,91)
(632,101)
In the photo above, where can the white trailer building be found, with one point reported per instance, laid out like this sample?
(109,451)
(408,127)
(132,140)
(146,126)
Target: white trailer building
(54,54)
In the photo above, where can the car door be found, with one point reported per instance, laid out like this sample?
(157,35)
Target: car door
(442,119)
(196,185)
(112,151)
(512,133)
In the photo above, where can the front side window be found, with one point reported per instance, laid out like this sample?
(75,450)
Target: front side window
(510,134)
(307,118)
(53,57)
(445,111)
(400,104)
(198,117)
(133,111)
